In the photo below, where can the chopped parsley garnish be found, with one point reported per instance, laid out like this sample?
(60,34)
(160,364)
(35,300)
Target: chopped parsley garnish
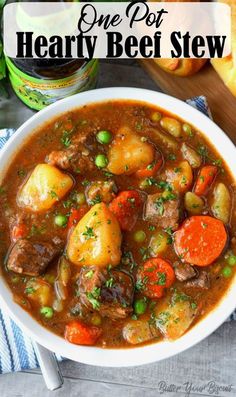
(151,166)
(108,174)
(127,260)
(152,228)
(93,297)
(164,185)
(161,319)
(179,296)
(138,126)
(85,182)
(89,274)
(170,232)
(89,233)
(217,162)
(159,203)
(110,282)
(171,156)
(66,139)
(161,278)
(53,194)
(97,199)
(202,150)
(29,290)
(151,181)
(141,284)
(131,200)
(177,170)
(35,230)
(145,252)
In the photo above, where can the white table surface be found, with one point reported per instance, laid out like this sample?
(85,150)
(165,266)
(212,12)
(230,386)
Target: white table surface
(208,369)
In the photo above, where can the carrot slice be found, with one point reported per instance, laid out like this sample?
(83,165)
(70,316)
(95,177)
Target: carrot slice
(126,208)
(200,240)
(81,334)
(18,231)
(205,179)
(76,215)
(150,170)
(155,276)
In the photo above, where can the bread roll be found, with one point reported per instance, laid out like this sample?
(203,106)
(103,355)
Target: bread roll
(226,67)
(181,67)
(184,66)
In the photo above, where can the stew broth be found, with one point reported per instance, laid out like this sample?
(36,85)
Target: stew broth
(127,300)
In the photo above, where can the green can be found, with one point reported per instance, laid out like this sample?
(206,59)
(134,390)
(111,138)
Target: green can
(39,83)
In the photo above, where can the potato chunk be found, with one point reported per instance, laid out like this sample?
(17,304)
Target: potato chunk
(96,239)
(193,203)
(139,331)
(158,243)
(39,291)
(45,186)
(128,153)
(181,177)
(175,317)
(221,204)
(171,125)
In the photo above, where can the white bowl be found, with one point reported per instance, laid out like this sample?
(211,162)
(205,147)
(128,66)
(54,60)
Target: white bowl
(143,354)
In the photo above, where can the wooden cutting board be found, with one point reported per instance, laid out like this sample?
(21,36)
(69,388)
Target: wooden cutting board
(206,82)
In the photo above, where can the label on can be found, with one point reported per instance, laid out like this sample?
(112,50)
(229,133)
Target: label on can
(39,93)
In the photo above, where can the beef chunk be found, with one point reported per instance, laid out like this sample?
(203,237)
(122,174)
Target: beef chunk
(75,158)
(184,272)
(163,211)
(101,191)
(32,258)
(109,292)
(202,281)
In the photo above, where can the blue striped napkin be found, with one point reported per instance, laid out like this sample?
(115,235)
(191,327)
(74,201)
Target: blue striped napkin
(17,349)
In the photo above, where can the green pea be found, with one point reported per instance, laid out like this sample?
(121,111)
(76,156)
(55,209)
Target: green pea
(47,311)
(231,260)
(187,129)
(61,220)
(139,236)
(101,161)
(226,271)
(104,137)
(156,116)
(140,306)
(80,198)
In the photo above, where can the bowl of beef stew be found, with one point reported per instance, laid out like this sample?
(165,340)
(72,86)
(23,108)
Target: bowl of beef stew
(118,227)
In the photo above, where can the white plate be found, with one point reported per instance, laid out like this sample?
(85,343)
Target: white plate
(137,355)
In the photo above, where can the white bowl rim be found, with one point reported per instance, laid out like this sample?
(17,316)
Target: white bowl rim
(141,354)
